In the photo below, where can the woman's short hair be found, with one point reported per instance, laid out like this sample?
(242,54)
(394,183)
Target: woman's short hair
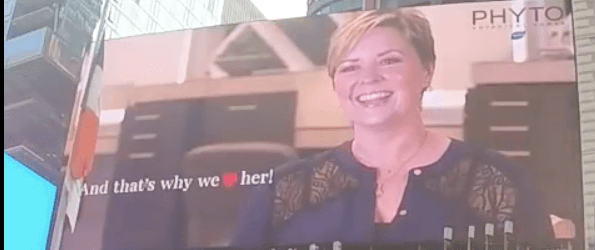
(411,24)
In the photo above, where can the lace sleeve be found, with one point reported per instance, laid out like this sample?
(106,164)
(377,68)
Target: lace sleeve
(310,185)
(489,192)
(492,195)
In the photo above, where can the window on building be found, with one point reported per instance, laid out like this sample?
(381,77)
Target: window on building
(151,25)
(404,3)
(142,20)
(341,6)
(186,19)
(191,4)
(176,9)
(155,8)
(108,33)
(211,6)
(349,5)
(112,15)
(324,10)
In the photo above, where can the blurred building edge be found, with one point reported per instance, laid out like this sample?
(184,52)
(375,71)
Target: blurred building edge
(321,7)
(43,55)
(132,17)
(8,11)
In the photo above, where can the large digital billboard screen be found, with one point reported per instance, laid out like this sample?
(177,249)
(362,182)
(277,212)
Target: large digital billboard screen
(416,127)
(28,204)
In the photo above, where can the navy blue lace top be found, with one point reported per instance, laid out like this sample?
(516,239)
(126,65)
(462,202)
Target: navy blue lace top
(331,197)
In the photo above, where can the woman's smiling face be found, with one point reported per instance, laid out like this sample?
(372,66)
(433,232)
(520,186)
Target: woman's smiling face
(380,81)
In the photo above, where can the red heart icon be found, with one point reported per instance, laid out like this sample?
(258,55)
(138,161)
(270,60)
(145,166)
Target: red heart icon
(229,179)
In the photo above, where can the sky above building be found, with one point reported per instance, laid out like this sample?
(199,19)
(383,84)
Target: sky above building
(276,9)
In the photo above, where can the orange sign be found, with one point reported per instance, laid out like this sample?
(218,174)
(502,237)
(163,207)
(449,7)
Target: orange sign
(81,160)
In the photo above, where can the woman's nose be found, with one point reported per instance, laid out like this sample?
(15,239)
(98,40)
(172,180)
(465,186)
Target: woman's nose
(370,75)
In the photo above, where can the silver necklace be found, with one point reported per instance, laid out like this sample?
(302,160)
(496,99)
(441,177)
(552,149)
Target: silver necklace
(380,183)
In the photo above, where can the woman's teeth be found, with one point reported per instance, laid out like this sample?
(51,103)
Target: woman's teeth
(374,96)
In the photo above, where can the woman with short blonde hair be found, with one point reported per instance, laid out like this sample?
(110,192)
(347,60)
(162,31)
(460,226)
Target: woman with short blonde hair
(396,182)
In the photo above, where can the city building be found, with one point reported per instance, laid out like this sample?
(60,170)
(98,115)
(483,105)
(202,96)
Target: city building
(236,11)
(44,44)
(138,17)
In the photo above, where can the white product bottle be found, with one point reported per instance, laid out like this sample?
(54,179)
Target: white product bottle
(518,35)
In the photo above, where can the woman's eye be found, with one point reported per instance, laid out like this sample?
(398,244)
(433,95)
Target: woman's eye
(390,61)
(348,69)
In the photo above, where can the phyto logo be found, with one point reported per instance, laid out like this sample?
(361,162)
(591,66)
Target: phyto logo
(496,18)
